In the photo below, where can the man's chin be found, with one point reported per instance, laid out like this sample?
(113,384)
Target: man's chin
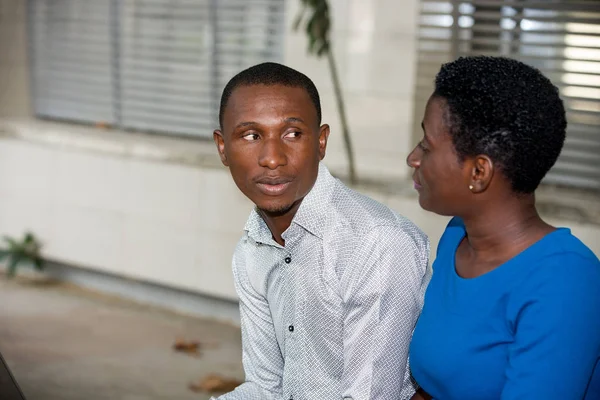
(275,210)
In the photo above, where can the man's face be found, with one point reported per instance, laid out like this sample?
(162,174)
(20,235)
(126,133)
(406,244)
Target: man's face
(272,143)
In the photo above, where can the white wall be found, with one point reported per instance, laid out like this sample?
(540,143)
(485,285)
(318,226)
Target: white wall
(162,209)
(167,223)
(374,44)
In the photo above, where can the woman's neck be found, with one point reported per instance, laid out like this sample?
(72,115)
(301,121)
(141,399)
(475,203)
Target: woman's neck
(504,229)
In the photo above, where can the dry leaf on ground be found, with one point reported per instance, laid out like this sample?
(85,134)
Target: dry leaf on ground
(188,347)
(215,384)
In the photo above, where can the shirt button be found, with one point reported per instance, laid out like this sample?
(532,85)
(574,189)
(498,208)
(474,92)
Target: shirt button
(291,328)
(288,260)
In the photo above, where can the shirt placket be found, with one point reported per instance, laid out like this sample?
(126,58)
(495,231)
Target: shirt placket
(292,327)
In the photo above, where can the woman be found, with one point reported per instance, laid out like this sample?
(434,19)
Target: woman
(513,308)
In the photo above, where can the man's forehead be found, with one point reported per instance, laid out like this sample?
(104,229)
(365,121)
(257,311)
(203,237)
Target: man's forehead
(275,90)
(258,99)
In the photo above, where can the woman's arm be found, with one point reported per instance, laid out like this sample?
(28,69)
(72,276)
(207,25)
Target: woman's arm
(557,331)
(421,395)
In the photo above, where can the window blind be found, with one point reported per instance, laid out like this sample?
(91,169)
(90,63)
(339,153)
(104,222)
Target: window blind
(246,33)
(559,37)
(70,55)
(165,61)
(149,65)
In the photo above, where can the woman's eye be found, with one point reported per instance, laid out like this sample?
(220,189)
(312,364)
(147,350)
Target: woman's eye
(250,137)
(422,146)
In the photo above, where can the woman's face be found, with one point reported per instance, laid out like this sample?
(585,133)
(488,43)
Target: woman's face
(440,179)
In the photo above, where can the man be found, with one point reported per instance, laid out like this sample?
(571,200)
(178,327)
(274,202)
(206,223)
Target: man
(330,282)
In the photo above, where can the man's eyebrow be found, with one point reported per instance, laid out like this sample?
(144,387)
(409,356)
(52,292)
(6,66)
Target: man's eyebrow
(243,124)
(295,119)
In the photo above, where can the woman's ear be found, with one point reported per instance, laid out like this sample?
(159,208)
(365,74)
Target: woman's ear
(482,172)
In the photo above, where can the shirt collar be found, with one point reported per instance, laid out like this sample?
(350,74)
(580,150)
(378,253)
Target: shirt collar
(311,214)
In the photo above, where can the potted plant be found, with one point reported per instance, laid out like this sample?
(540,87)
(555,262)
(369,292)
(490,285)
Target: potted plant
(21,252)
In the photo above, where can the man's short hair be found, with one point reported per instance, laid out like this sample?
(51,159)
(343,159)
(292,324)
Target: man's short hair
(269,74)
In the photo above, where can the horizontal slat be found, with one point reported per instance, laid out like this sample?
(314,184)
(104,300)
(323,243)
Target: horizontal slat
(441,19)
(57,18)
(95,98)
(59,86)
(153,115)
(204,129)
(174,79)
(96,62)
(166,64)
(556,178)
(581,156)
(68,109)
(189,15)
(157,47)
(540,4)
(168,101)
(72,48)
(159,107)
(496,28)
(56,64)
(572,165)
(66,77)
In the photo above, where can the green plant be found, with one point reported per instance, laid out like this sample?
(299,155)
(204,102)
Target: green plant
(21,251)
(315,14)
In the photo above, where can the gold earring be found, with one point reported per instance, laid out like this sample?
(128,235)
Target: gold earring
(470,187)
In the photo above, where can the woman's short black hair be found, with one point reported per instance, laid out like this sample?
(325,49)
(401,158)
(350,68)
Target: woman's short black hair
(506,110)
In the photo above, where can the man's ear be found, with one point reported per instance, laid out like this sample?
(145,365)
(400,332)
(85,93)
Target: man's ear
(323,136)
(218,138)
(482,172)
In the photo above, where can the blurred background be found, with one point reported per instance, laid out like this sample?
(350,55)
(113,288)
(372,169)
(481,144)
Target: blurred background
(107,109)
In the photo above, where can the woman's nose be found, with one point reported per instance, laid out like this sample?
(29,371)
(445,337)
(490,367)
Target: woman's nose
(413,159)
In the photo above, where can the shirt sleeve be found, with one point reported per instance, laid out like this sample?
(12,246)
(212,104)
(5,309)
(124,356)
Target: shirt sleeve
(557,331)
(383,294)
(261,355)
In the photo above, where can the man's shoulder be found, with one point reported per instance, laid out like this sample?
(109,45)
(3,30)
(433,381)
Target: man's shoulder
(357,214)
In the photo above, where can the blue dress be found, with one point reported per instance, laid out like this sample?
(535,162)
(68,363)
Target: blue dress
(529,329)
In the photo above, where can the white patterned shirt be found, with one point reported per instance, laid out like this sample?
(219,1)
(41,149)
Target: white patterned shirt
(330,315)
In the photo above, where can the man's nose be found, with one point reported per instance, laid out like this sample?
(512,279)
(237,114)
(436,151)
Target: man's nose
(273,154)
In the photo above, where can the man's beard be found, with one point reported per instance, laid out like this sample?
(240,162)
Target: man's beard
(276,211)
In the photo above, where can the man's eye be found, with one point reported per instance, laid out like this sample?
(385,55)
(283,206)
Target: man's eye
(294,134)
(422,146)
(250,137)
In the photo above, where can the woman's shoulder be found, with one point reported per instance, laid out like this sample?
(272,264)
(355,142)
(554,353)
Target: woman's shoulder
(562,249)
(562,262)
(455,231)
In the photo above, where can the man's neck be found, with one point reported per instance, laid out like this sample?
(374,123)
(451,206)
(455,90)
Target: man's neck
(279,222)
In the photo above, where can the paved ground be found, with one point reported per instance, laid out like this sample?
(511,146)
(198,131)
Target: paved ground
(64,343)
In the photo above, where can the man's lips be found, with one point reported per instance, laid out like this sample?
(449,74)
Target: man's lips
(273,186)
